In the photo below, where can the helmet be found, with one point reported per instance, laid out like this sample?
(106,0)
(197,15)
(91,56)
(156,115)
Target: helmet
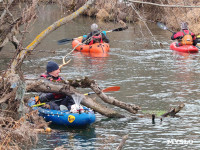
(94,27)
(184,25)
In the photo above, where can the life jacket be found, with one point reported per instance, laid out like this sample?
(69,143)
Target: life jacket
(95,39)
(50,78)
(187,39)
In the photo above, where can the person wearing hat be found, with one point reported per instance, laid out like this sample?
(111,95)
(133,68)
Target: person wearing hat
(184,37)
(95,36)
(53,100)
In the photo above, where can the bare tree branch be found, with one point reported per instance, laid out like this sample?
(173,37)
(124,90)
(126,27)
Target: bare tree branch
(111,100)
(43,85)
(174,111)
(162,5)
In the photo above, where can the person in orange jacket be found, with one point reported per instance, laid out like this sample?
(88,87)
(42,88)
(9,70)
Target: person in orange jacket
(184,37)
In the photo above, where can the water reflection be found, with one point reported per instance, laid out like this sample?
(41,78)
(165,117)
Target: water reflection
(184,56)
(96,63)
(80,139)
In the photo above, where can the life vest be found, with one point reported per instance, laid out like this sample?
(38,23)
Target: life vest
(50,78)
(187,39)
(95,39)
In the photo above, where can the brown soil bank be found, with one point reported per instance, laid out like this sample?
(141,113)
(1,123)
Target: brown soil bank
(172,12)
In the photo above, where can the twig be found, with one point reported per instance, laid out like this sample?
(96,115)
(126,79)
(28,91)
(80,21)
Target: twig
(122,142)
(173,111)
(161,5)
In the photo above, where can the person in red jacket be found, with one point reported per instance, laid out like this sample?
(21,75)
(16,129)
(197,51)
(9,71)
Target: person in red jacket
(184,37)
(53,99)
(95,36)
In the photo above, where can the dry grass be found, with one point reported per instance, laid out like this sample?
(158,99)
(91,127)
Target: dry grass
(174,16)
(102,15)
(20,134)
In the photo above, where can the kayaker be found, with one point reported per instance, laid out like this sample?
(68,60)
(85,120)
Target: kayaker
(184,37)
(95,36)
(55,101)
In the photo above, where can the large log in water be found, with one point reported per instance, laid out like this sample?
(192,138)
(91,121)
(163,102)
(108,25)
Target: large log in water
(41,85)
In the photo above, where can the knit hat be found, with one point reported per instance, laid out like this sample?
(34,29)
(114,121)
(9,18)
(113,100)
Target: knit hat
(184,25)
(94,27)
(52,66)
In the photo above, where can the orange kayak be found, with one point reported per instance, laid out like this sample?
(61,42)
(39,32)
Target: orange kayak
(94,48)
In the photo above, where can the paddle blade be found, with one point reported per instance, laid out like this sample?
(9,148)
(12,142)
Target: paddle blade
(161,25)
(114,88)
(64,41)
(118,29)
(109,89)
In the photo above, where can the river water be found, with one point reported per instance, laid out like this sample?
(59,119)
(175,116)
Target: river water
(152,77)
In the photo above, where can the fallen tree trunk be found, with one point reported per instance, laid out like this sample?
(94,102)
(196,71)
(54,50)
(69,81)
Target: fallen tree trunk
(45,86)
(111,100)
(42,85)
(107,99)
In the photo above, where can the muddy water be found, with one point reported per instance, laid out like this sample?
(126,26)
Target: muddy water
(155,79)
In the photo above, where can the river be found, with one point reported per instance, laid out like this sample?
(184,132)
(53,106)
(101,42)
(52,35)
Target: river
(152,77)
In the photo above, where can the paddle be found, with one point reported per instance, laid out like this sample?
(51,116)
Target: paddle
(109,89)
(164,27)
(64,41)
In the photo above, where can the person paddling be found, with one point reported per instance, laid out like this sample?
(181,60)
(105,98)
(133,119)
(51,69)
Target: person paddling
(55,101)
(184,37)
(95,36)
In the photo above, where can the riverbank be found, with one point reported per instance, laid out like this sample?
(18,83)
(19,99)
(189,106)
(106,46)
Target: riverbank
(169,12)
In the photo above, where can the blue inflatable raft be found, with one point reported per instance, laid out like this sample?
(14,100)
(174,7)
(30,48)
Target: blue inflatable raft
(66,118)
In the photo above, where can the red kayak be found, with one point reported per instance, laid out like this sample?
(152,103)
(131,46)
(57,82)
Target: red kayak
(184,48)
